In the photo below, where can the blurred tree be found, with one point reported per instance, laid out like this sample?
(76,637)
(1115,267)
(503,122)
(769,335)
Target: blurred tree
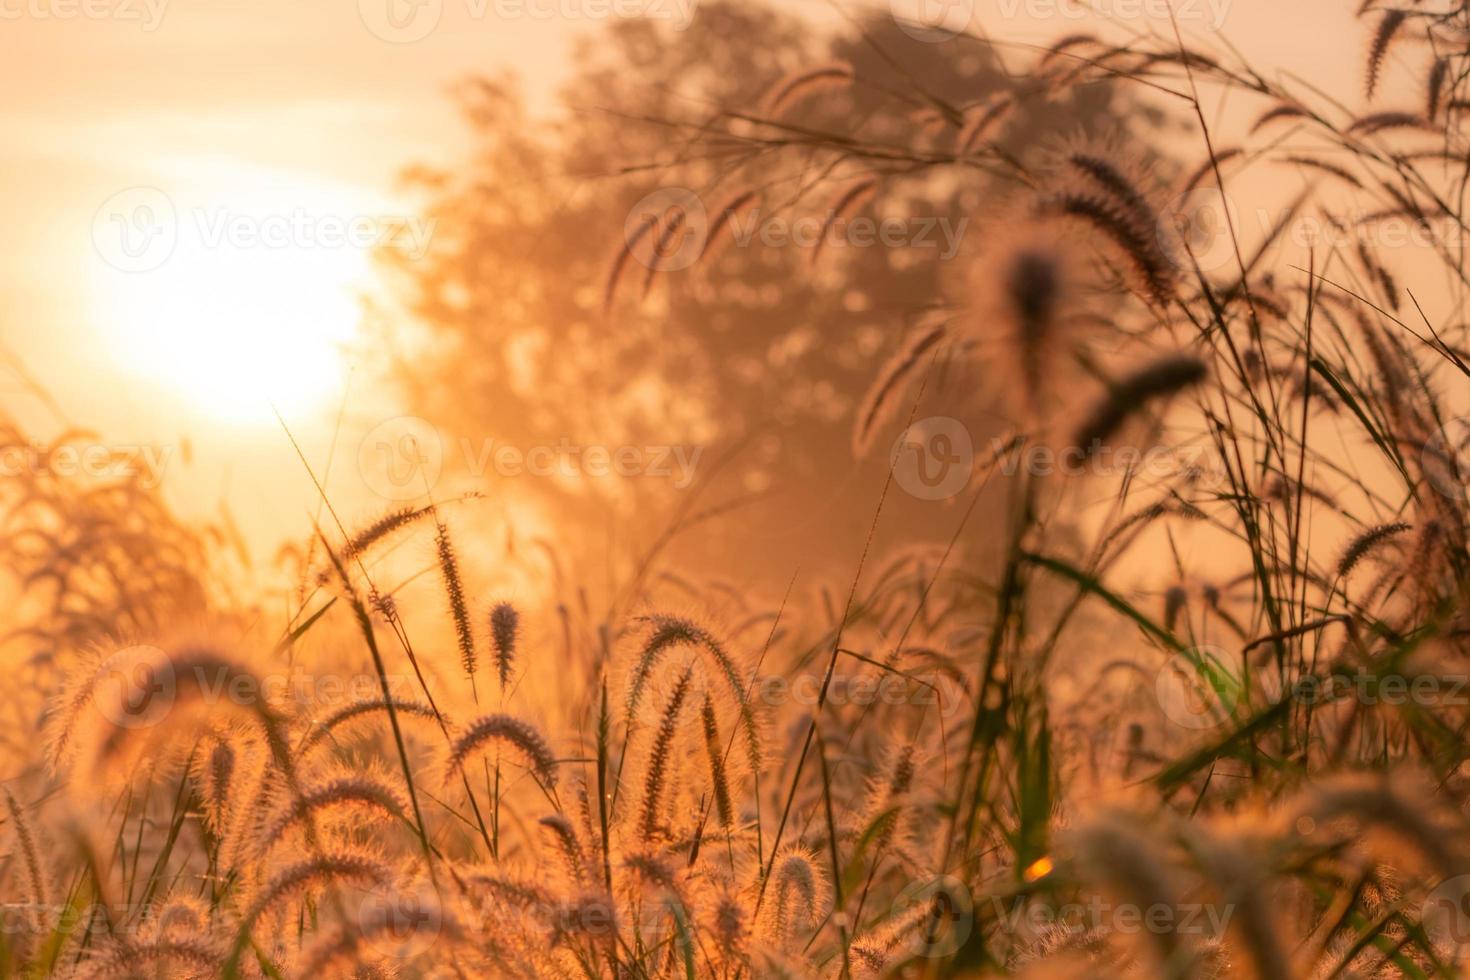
(757,354)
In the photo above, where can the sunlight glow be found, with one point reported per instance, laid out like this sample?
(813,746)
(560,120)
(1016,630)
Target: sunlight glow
(254,301)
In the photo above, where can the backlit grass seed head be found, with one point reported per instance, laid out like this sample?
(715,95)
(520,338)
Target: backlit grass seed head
(847,202)
(366,796)
(797,898)
(718,772)
(214,774)
(36,875)
(458,606)
(1115,850)
(1129,396)
(509,731)
(364,540)
(325,730)
(668,633)
(1388,29)
(982,121)
(656,769)
(388,929)
(568,847)
(384,605)
(800,85)
(180,917)
(882,399)
(728,920)
(1379,122)
(499,887)
(1099,169)
(144,706)
(331,867)
(169,956)
(1434,89)
(505,625)
(888,798)
(1394,806)
(1366,543)
(1025,308)
(1233,863)
(651,870)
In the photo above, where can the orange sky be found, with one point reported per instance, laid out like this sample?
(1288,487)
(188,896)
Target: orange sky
(293,118)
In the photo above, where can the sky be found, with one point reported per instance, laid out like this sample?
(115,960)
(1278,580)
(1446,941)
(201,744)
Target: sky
(193,188)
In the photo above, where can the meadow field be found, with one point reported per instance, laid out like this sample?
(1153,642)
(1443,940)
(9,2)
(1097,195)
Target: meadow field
(999,509)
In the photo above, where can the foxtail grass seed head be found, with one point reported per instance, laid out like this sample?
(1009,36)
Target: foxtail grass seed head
(458,605)
(507,731)
(1152,382)
(505,627)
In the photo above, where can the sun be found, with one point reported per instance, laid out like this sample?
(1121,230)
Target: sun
(250,298)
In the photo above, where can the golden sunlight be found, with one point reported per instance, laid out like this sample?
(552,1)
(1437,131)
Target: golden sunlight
(650,489)
(239,299)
